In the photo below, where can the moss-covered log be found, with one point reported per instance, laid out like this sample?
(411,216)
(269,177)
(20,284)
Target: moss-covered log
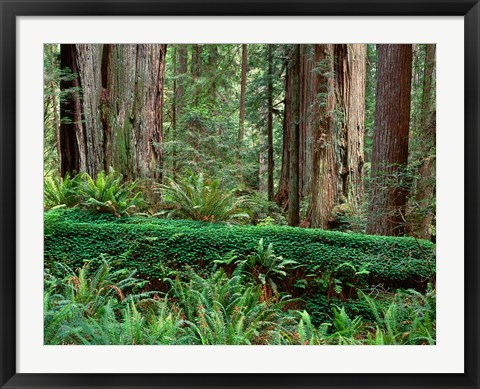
(152,246)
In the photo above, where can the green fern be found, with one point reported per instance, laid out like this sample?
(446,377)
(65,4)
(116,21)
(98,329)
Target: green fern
(62,192)
(197,198)
(223,310)
(108,193)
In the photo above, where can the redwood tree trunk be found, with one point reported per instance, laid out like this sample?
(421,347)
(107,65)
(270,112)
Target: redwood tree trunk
(137,97)
(390,141)
(281,197)
(270,124)
(350,84)
(325,174)
(293,78)
(307,96)
(243,88)
(181,69)
(118,121)
(71,128)
(425,188)
(331,96)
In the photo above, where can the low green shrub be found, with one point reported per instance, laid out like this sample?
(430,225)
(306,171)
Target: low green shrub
(410,318)
(107,193)
(62,192)
(321,308)
(72,298)
(104,307)
(90,308)
(199,198)
(264,212)
(152,245)
(262,267)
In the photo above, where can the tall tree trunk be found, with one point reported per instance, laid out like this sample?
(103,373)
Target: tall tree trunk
(118,121)
(325,162)
(213,71)
(425,188)
(262,161)
(350,80)
(390,142)
(104,106)
(196,64)
(270,124)
(54,86)
(174,113)
(179,96)
(89,69)
(307,96)
(331,97)
(243,88)
(293,78)
(138,99)
(195,130)
(281,197)
(71,127)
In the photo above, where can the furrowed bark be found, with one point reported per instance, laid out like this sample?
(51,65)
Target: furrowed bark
(390,142)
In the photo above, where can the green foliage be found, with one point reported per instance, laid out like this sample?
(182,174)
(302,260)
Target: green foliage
(264,267)
(340,281)
(102,306)
(145,243)
(198,198)
(408,319)
(264,212)
(71,298)
(210,311)
(62,192)
(307,333)
(321,308)
(228,310)
(346,329)
(108,193)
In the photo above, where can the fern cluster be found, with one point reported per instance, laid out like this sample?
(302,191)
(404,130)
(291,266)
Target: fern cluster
(97,305)
(199,198)
(106,193)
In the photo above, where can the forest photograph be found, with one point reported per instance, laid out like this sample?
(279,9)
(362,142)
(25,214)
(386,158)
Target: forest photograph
(239,194)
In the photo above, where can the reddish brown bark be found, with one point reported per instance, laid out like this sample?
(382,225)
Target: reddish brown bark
(350,83)
(390,141)
(118,121)
(425,188)
(307,117)
(270,125)
(331,119)
(104,107)
(293,78)
(324,192)
(243,88)
(71,129)
(281,197)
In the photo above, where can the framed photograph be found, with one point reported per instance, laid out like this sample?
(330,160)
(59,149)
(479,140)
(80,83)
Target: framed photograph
(239,194)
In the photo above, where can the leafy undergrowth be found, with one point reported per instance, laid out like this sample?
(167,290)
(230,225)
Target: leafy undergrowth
(107,307)
(216,283)
(334,263)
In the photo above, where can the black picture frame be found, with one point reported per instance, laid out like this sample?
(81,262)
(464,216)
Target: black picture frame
(9,378)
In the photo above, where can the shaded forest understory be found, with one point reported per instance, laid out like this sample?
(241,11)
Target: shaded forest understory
(189,190)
